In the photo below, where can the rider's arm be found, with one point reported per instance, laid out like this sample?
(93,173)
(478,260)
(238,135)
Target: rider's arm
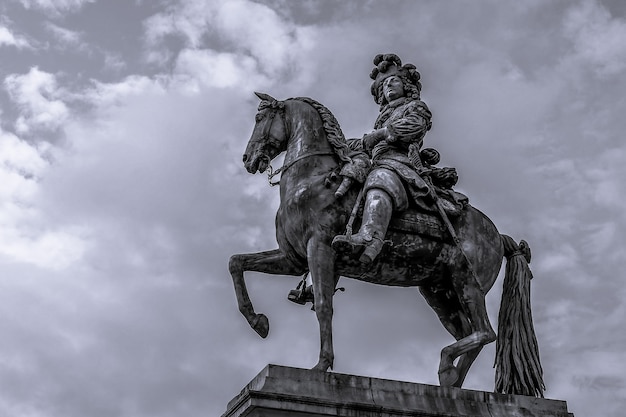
(412,127)
(373,138)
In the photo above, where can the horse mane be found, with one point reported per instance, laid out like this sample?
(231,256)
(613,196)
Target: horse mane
(334,135)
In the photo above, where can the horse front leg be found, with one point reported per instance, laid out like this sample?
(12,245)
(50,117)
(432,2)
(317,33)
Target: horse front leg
(321,259)
(269,262)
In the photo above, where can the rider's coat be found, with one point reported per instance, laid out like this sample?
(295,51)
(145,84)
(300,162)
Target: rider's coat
(407,121)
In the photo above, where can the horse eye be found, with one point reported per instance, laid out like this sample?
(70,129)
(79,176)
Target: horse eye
(258,117)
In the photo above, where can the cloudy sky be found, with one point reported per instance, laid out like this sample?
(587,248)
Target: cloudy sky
(122,125)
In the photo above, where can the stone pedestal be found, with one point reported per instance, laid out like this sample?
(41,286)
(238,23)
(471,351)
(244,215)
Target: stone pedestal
(279,391)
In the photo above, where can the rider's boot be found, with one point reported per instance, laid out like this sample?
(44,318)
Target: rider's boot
(369,240)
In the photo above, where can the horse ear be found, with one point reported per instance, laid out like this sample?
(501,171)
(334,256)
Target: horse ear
(264,96)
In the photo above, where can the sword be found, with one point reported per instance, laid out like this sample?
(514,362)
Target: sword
(455,237)
(414,157)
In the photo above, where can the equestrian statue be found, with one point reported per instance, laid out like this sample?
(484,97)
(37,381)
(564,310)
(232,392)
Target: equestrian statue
(413,229)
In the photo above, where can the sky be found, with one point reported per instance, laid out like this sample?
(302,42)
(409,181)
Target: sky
(123,195)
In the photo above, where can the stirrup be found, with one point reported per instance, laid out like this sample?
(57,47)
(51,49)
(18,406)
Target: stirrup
(301,295)
(347,245)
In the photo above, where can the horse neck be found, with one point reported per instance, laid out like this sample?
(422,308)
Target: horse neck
(309,157)
(306,132)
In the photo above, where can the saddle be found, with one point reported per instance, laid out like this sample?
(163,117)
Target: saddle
(416,222)
(424,219)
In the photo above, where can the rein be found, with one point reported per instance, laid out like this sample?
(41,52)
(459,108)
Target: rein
(271,173)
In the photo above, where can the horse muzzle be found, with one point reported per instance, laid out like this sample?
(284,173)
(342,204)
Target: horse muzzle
(255,164)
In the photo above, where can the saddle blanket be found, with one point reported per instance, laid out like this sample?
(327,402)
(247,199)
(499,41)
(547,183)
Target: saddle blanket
(416,222)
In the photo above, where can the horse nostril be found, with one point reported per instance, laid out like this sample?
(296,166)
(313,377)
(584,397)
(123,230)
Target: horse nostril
(245,158)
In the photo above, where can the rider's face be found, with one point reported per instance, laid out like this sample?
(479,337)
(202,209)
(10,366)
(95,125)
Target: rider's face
(393,88)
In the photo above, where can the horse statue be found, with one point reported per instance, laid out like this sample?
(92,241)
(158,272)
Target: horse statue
(453,278)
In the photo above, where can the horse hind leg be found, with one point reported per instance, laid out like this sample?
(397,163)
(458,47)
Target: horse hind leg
(449,311)
(471,300)
(269,262)
(463,366)
(453,314)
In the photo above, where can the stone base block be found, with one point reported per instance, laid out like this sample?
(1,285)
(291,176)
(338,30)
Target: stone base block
(279,391)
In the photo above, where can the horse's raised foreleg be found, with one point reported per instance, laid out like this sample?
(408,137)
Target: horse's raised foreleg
(321,260)
(269,262)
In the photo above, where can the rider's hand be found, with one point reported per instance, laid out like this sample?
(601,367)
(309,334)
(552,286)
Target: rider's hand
(372,139)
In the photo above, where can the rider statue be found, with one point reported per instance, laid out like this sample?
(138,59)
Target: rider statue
(398,175)
(436,238)
(390,165)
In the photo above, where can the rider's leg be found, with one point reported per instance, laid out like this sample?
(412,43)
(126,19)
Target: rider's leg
(384,193)
(369,240)
(376,217)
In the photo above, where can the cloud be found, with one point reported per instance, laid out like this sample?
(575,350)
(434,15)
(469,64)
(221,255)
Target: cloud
(259,31)
(114,62)
(151,175)
(20,166)
(214,69)
(55,8)
(70,40)
(136,213)
(22,237)
(66,38)
(147,149)
(584,372)
(20,157)
(7,38)
(238,30)
(107,95)
(50,249)
(597,38)
(37,96)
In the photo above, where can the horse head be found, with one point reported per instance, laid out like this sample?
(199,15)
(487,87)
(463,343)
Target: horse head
(269,136)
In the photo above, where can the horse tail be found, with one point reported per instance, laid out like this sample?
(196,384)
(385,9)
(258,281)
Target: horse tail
(518,368)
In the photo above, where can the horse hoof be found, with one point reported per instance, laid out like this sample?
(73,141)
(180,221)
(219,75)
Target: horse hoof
(448,376)
(322,365)
(261,325)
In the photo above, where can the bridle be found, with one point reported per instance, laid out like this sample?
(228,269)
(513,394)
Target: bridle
(278,108)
